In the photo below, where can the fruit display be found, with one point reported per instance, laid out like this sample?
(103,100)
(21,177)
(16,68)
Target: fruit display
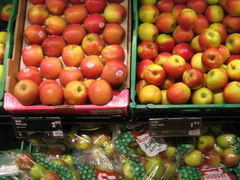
(73,53)
(113,152)
(188,52)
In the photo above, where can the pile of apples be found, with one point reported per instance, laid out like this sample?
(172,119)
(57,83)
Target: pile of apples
(74,52)
(189,52)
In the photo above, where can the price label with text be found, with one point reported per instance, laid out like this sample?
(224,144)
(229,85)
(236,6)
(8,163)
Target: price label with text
(38,127)
(184,126)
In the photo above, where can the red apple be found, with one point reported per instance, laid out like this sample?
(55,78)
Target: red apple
(113,33)
(141,66)
(76,1)
(147,32)
(26,92)
(53,46)
(209,38)
(196,45)
(56,7)
(2,49)
(165,5)
(216,79)
(154,74)
(231,92)
(113,52)
(140,85)
(180,35)
(180,1)
(24,161)
(95,6)
(187,18)
(32,55)
(75,93)
(162,58)
(221,29)
(6,11)
(34,34)
(69,74)
(196,62)
(37,14)
(179,93)
(233,43)
(72,55)
(100,92)
(76,14)
(91,67)
(50,175)
(114,13)
(233,70)
(94,23)
(177,9)
(222,3)
(230,157)
(150,94)
(115,1)
(55,25)
(92,44)
(31,73)
(201,24)
(184,50)
(165,43)
(37,1)
(50,93)
(233,57)
(168,82)
(114,72)
(214,13)
(147,50)
(232,24)
(197,5)
(213,158)
(233,7)
(224,51)
(194,78)
(212,58)
(175,66)
(51,67)
(166,22)
(74,33)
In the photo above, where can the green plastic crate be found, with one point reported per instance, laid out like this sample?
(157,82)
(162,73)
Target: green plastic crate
(9,27)
(142,110)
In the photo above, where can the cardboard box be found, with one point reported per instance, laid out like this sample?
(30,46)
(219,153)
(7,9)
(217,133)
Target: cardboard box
(118,105)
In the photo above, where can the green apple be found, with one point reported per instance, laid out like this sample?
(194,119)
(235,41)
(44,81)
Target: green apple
(100,139)
(147,32)
(205,143)
(83,142)
(37,171)
(60,162)
(202,96)
(218,98)
(154,167)
(212,1)
(148,13)
(194,158)
(226,140)
(3,37)
(169,153)
(127,170)
(170,169)
(148,1)
(109,148)
(67,158)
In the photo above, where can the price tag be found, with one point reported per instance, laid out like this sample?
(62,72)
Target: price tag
(186,126)
(38,127)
